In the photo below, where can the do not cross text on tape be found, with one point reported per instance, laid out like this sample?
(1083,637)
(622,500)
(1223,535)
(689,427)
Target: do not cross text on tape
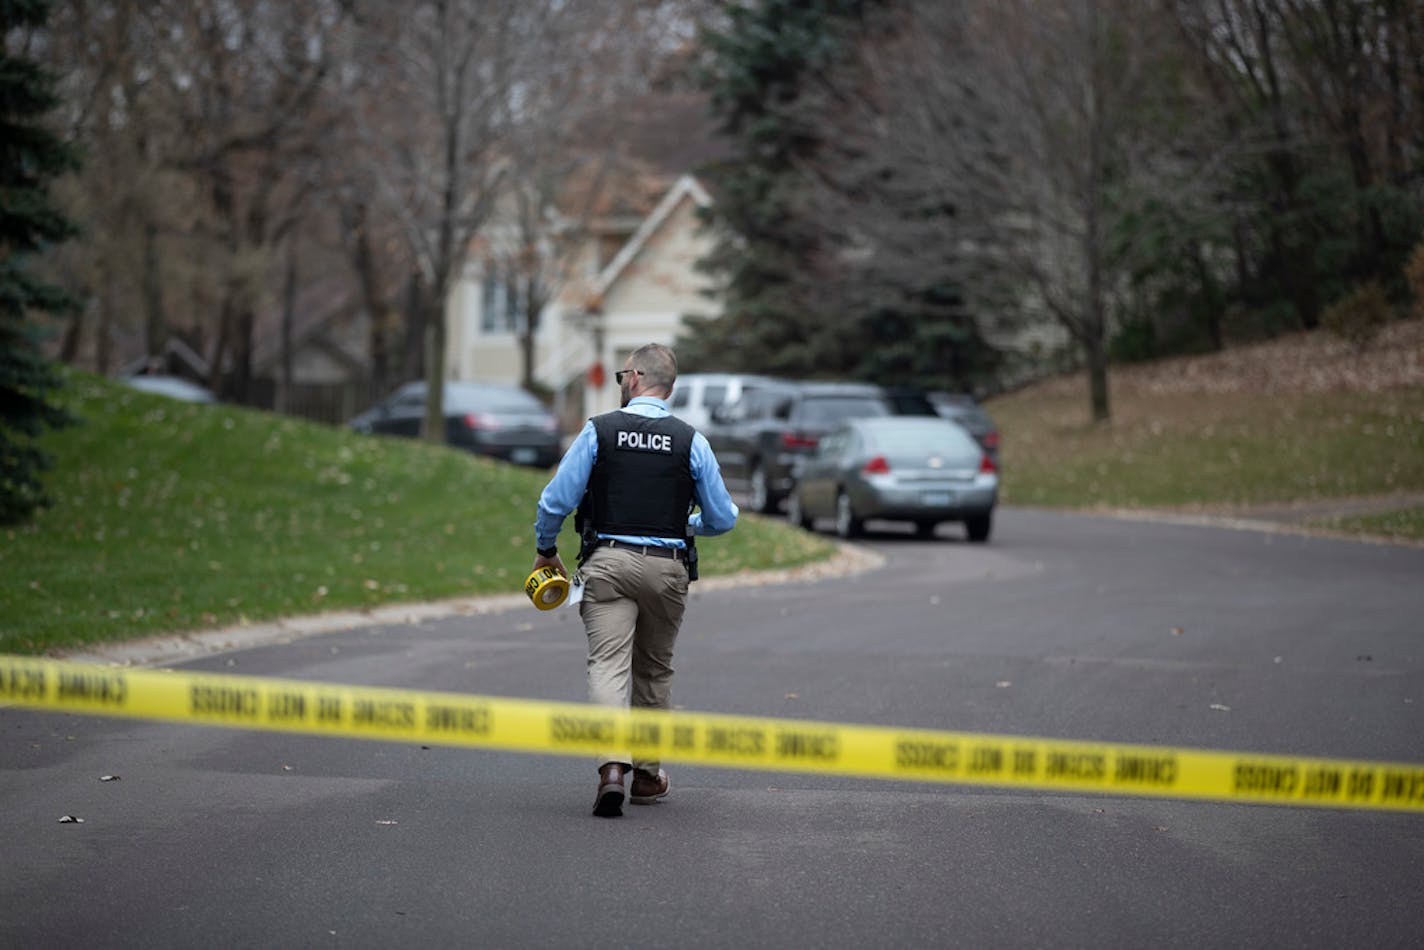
(882,752)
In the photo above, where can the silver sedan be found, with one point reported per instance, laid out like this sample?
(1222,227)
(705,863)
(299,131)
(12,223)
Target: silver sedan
(897,468)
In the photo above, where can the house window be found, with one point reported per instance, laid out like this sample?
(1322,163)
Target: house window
(499,301)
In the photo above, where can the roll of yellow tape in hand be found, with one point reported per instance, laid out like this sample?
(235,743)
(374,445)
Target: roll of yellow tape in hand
(546,588)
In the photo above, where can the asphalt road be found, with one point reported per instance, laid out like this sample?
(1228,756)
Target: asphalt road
(1063,626)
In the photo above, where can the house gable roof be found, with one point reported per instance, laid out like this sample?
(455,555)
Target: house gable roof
(685,188)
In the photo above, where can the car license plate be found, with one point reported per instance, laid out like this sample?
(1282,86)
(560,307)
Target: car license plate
(523,456)
(937,499)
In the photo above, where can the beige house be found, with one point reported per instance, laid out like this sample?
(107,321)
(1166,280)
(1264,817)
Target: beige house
(630,279)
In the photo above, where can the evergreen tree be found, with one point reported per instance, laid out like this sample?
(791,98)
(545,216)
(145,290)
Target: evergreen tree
(30,156)
(793,304)
(755,70)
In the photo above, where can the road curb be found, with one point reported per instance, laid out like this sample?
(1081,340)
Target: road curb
(170,648)
(1237,523)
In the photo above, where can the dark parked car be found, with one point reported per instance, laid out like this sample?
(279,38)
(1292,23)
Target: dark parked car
(965,410)
(501,421)
(759,438)
(899,469)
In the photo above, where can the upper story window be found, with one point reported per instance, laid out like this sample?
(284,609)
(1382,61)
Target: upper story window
(500,311)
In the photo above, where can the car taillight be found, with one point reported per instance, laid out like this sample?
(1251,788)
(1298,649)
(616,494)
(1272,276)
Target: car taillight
(876,466)
(798,440)
(991,440)
(481,420)
(987,466)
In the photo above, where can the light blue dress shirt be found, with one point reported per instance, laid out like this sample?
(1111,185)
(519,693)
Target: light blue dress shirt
(565,490)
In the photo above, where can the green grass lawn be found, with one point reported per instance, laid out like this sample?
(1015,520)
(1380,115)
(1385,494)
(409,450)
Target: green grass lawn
(1169,451)
(170,516)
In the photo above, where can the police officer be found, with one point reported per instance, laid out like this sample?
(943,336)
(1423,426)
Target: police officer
(638,470)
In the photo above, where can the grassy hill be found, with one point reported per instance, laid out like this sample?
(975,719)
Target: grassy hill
(171,516)
(1302,418)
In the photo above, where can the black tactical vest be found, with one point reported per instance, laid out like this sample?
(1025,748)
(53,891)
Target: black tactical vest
(642,478)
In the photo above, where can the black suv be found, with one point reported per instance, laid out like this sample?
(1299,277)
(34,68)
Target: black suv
(965,410)
(759,437)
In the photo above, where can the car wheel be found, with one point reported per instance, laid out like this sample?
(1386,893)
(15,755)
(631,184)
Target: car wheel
(847,524)
(925,529)
(978,526)
(761,499)
(794,512)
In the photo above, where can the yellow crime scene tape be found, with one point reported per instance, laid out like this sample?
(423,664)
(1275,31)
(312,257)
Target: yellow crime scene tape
(521,725)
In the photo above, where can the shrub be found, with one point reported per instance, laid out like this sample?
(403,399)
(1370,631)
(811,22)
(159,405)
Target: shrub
(1359,315)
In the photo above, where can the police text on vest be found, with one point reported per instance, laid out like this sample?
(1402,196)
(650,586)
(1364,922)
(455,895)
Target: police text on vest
(645,441)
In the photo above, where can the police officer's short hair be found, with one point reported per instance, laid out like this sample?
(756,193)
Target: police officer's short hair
(657,363)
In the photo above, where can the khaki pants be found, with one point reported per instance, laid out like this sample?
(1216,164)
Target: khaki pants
(632,608)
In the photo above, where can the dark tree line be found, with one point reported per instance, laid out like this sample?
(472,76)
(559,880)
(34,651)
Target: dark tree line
(918,180)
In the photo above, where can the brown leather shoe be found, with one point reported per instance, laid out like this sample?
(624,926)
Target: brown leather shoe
(647,788)
(609,803)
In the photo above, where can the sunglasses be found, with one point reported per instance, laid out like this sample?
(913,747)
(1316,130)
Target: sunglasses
(618,376)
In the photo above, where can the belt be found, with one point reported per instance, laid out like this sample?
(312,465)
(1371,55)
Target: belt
(656,550)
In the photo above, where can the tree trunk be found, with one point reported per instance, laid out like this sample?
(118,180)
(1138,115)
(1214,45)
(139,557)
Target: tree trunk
(155,326)
(215,370)
(1350,47)
(1294,252)
(384,319)
(1098,377)
(533,306)
(413,344)
(1211,299)
(433,429)
(289,318)
(73,336)
(526,346)
(104,332)
(240,380)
